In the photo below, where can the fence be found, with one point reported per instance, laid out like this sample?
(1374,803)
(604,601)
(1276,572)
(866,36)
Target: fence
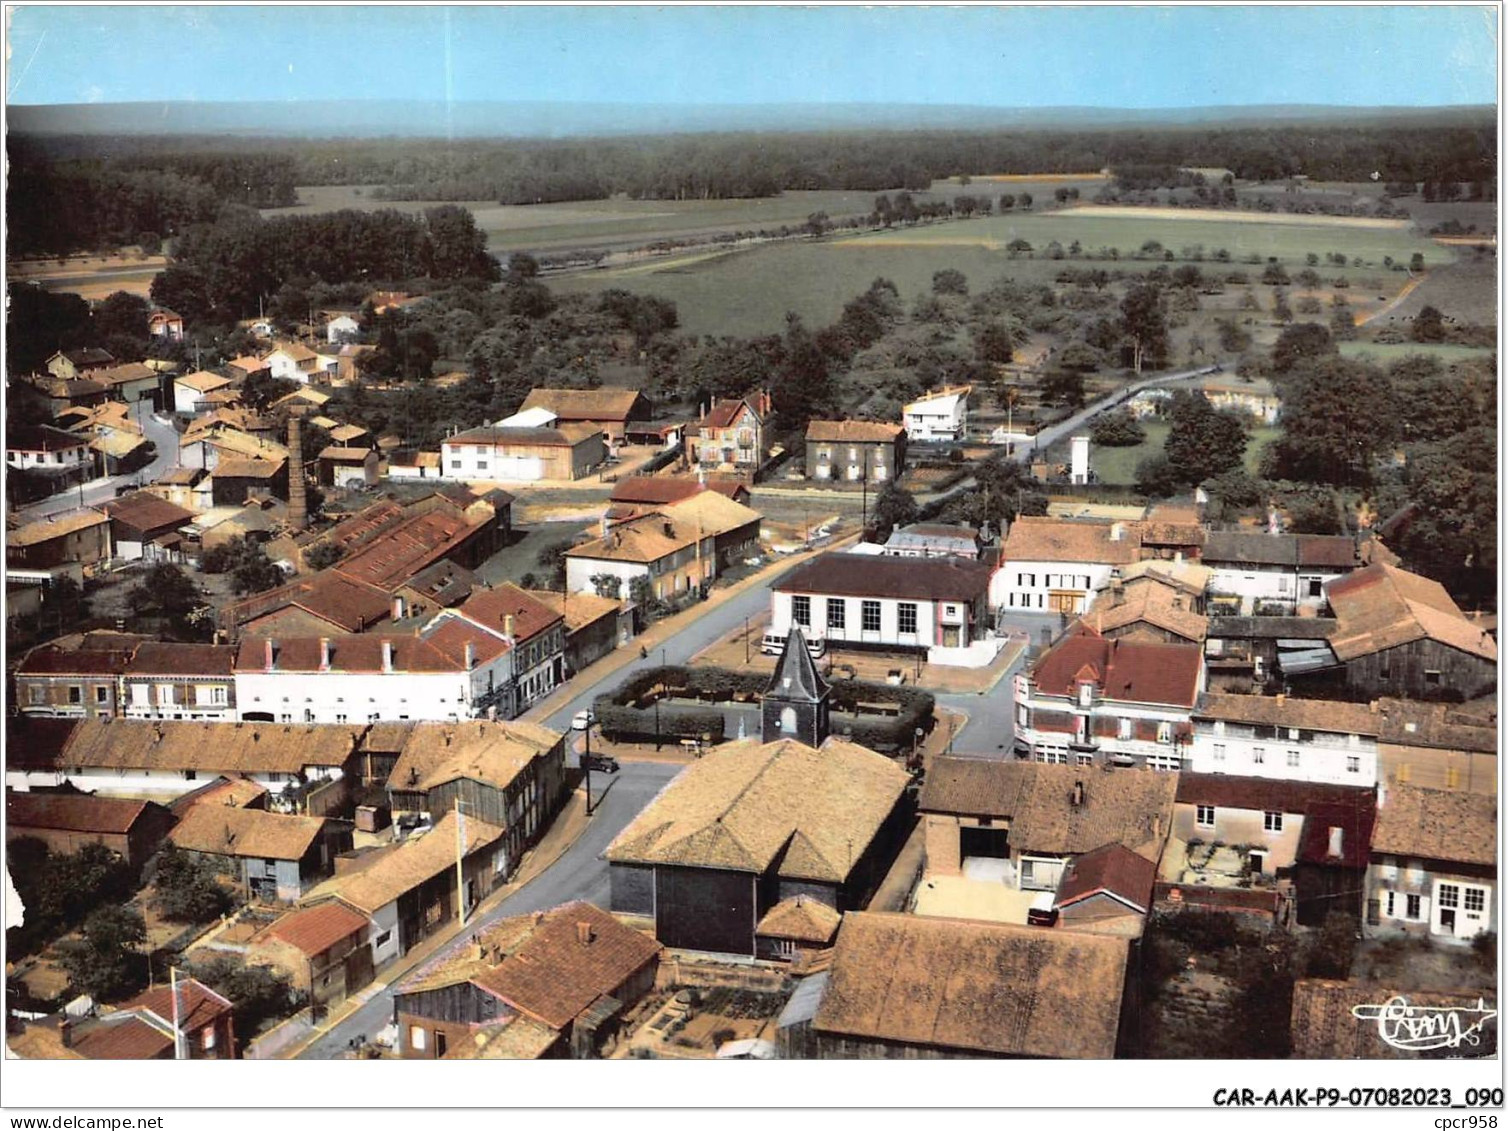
(281,1036)
(328,797)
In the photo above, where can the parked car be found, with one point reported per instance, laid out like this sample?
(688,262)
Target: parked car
(601,763)
(582,720)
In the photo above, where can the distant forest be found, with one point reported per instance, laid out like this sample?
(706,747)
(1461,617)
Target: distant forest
(71,193)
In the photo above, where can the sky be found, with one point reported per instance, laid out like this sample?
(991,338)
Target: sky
(1121,57)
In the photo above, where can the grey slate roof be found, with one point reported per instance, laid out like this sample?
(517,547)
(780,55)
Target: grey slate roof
(796,676)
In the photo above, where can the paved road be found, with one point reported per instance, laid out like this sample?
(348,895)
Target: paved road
(99,491)
(580,873)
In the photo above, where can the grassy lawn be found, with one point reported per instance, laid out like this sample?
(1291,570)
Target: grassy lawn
(1118,465)
(1389,353)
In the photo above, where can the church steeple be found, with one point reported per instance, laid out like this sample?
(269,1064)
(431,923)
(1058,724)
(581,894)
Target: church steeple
(796,700)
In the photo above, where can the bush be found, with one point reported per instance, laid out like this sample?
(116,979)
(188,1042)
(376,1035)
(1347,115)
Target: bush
(322,555)
(1117,430)
(1334,947)
(640,724)
(188,890)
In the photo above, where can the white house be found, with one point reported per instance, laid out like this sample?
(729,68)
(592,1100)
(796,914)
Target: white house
(1276,573)
(293,361)
(1433,869)
(941,416)
(190,390)
(341,328)
(456,672)
(1310,740)
(1055,565)
(1092,701)
(43,446)
(499,453)
(533,631)
(871,601)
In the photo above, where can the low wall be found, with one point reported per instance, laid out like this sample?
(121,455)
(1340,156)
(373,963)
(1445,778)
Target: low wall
(281,1036)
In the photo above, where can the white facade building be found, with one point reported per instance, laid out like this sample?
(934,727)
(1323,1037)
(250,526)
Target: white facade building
(45,447)
(942,416)
(341,328)
(1275,574)
(1051,565)
(1293,740)
(1092,701)
(458,673)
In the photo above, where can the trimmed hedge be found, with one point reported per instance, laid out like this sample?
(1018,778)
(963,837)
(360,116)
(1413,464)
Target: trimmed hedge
(619,716)
(637,724)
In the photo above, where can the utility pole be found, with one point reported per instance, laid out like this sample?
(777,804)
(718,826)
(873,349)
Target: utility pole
(746,640)
(179,1052)
(586,764)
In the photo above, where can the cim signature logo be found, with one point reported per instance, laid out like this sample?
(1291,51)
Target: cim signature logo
(1418,1028)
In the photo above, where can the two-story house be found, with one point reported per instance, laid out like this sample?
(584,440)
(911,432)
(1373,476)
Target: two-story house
(79,684)
(561,451)
(1433,868)
(855,451)
(1279,737)
(730,434)
(938,417)
(1054,565)
(41,447)
(1275,573)
(534,632)
(180,681)
(1089,700)
(868,601)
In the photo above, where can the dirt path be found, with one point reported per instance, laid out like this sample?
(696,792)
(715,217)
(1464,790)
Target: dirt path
(1392,303)
(1226,216)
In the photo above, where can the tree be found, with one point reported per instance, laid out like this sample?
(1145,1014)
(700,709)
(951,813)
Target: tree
(1117,429)
(1337,415)
(169,595)
(1018,247)
(1026,200)
(1063,386)
(894,507)
(1416,262)
(1235,490)
(1201,442)
(188,890)
(949,282)
(259,995)
(185,291)
(1280,308)
(250,568)
(1313,512)
(1155,477)
(1428,326)
(818,225)
(1299,343)
(1143,322)
(261,388)
(104,962)
(1233,339)
(322,555)
(994,343)
(455,248)
(552,558)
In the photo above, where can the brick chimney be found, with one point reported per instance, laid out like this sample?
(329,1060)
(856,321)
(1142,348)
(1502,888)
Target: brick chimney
(324,653)
(1337,836)
(387,655)
(65,1033)
(298,503)
(508,626)
(583,933)
(470,655)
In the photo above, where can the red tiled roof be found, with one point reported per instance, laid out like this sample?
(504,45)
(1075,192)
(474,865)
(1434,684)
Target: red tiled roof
(393,557)
(1123,670)
(1113,869)
(158,658)
(130,1038)
(55,661)
(314,930)
(74,812)
(1355,821)
(145,512)
(452,636)
(491,607)
(349,652)
(1270,795)
(198,1005)
(347,604)
(554,974)
(654,489)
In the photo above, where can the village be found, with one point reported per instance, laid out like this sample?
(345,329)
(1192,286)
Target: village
(717,785)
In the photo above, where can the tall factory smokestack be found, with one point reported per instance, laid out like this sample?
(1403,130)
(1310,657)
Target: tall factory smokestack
(298,504)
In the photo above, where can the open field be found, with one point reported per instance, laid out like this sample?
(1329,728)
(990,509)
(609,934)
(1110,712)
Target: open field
(1386,354)
(1288,238)
(1466,290)
(1118,465)
(610,223)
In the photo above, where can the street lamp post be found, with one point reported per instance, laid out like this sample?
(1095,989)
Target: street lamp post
(746,640)
(586,764)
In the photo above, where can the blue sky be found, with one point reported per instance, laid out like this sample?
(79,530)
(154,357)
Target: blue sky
(1152,57)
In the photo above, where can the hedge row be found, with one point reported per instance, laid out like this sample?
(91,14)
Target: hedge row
(638,724)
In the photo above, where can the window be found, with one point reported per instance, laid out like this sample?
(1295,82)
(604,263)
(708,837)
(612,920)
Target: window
(1085,759)
(75,694)
(1258,755)
(1293,759)
(1169,763)
(1476,899)
(1165,733)
(1353,764)
(1385,672)
(1316,587)
(417,1038)
(1415,907)
(455,465)
(906,615)
(837,613)
(38,694)
(801,611)
(871,616)
(1219,751)
(1204,816)
(207,1038)
(1390,900)
(1023,715)
(1432,678)
(382,939)
(1025,580)
(1272,821)
(1086,694)
(101,693)
(1449,895)
(1122,728)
